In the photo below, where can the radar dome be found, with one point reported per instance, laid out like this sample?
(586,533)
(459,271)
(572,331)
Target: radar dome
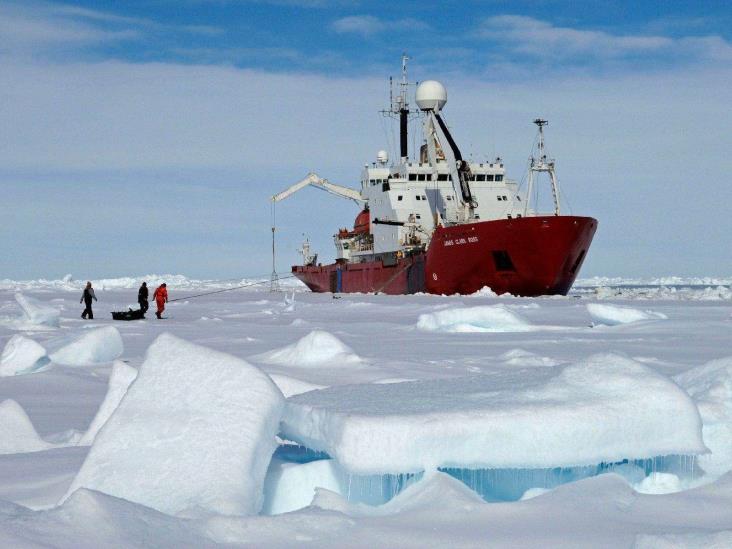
(431,95)
(382,157)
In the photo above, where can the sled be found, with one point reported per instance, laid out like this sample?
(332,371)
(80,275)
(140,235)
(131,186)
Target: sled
(128,315)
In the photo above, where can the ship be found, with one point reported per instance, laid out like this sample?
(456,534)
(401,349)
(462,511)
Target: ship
(440,224)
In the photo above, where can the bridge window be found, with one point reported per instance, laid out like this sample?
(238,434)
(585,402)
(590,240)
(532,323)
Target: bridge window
(443,177)
(421,177)
(480,177)
(413,177)
(489,177)
(499,177)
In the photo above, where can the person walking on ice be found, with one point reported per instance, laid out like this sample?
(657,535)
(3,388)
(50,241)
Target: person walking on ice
(142,298)
(161,298)
(87,297)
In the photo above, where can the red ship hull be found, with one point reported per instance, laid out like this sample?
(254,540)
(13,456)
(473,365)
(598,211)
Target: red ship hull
(526,256)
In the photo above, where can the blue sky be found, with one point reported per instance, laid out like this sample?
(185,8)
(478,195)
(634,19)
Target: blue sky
(146,136)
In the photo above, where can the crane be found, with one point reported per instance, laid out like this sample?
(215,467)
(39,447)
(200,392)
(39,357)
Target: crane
(323,184)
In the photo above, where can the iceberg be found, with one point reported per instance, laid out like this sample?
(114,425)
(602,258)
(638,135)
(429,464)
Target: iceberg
(591,412)
(194,434)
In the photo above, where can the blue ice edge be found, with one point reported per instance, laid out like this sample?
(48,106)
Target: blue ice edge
(493,485)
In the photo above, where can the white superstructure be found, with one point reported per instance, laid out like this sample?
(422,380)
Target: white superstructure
(405,201)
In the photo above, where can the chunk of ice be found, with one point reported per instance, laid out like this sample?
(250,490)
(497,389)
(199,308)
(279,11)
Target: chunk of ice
(710,385)
(120,380)
(95,346)
(195,432)
(496,318)
(22,355)
(598,410)
(318,348)
(17,434)
(37,313)
(613,315)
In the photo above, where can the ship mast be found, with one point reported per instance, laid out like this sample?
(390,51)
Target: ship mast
(399,106)
(542,164)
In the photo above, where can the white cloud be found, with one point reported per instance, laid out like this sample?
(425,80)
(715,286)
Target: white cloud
(367,25)
(540,39)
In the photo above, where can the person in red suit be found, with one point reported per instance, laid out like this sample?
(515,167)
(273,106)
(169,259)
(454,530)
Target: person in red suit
(161,298)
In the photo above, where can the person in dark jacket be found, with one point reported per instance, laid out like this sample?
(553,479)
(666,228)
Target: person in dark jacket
(142,298)
(87,297)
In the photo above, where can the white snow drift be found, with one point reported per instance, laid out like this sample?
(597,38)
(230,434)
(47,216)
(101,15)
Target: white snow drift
(22,355)
(195,432)
(594,411)
(120,380)
(613,315)
(496,318)
(318,348)
(37,313)
(17,434)
(92,347)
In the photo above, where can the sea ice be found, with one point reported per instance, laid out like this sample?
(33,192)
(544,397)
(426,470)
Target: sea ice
(316,349)
(496,318)
(613,315)
(594,411)
(195,432)
(22,355)
(120,380)
(710,385)
(37,313)
(17,434)
(95,346)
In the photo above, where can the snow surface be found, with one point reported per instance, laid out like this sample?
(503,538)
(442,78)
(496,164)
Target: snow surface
(95,346)
(601,511)
(597,410)
(195,432)
(495,318)
(120,380)
(17,434)
(612,315)
(22,355)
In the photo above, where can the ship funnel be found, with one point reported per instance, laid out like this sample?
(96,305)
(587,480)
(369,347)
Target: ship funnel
(431,96)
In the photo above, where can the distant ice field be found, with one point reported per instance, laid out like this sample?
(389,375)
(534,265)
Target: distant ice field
(371,352)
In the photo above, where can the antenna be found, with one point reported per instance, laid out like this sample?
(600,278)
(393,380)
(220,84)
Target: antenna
(274,279)
(543,164)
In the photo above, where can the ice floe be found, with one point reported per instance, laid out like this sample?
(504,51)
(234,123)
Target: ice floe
(120,380)
(613,315)
(593,411)
(95,346)
(292,386)
(17,434)
(318,348)
(22,355)
(486,318)
(194,433)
